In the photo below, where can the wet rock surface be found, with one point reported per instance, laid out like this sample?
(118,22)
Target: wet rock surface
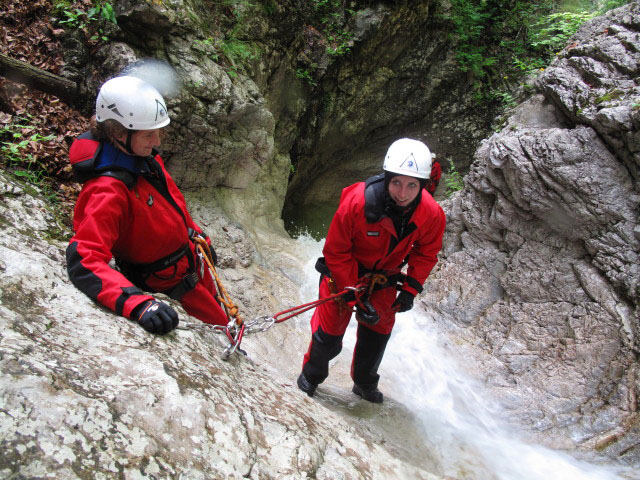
(542,256)
(86,393)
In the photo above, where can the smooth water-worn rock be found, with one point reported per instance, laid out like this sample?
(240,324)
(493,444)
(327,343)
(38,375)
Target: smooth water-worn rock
(85,393)
(538,276)
(541,262)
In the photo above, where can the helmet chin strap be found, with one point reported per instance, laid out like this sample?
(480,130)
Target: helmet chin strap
(127,145)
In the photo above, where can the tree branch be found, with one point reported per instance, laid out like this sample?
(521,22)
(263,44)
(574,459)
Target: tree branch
(33,77)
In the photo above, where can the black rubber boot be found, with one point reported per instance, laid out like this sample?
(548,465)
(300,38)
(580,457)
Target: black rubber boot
(367,356)
(322,350)
(368,393)
(306,386)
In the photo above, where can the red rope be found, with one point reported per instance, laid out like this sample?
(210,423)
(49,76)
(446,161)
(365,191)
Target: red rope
(307,306)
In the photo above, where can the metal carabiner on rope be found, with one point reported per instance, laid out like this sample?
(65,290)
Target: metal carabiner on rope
(259,324)
(236,328)
(234,340)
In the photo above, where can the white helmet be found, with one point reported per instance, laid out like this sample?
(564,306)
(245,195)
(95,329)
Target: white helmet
(408,157)
(133,103)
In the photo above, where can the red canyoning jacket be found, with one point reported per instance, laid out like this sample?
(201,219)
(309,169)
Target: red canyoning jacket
(436,174)
(361,236)
(139,219)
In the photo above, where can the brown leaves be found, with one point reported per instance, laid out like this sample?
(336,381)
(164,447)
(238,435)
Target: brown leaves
(26,34)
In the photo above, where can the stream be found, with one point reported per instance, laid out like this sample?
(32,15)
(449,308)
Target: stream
(456,420)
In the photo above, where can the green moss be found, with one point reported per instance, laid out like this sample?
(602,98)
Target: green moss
(614,94)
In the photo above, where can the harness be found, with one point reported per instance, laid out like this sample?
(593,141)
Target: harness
(139,273)
(379,278)
(108,161)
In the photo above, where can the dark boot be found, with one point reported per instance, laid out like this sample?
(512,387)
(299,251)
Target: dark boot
(368,393)
(306,386)
(367,356)
(322,349)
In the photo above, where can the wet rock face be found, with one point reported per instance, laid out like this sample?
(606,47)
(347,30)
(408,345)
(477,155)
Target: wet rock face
(221,134)
(85,393)
(400,80)
(235,131)
(542,253)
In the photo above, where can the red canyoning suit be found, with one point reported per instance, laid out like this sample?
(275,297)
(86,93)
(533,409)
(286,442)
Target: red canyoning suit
(362,238)
(434,177)
(145,225)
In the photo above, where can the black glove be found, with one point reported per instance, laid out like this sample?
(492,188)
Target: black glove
(404,302)
(156,317)
(365,313)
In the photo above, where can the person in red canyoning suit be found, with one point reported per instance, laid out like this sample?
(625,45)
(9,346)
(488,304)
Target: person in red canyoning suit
(130,209)
(434,176)
(380,226)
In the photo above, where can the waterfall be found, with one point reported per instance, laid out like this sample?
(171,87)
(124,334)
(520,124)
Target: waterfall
(459,421)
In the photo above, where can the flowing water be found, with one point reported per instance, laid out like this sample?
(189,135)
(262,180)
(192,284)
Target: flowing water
(459,424)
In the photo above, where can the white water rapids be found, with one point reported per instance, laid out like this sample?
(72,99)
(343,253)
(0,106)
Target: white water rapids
(460,425)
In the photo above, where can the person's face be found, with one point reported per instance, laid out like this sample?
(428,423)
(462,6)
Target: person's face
(143,141)
(403,190)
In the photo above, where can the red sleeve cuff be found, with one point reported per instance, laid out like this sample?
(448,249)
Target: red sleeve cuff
(408,288)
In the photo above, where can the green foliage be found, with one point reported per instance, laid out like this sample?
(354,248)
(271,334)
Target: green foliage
(470,21)
(227,24)
(306,76)
(610,95)
(93,19)
(611,4)
(504,97)
(18,138)
(329,28)
(74,18)
(269,7)
(77,18)
(231,50)
(15,138)
(453,180)
(550,33)
(528,64)
(332,21)
(104,10)
(498,43)
(236,52)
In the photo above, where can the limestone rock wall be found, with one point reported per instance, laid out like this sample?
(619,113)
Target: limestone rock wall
(401,79)
(242,128)
(542,250)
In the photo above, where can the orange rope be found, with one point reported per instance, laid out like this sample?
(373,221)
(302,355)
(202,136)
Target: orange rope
(375,279)
(223,297)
